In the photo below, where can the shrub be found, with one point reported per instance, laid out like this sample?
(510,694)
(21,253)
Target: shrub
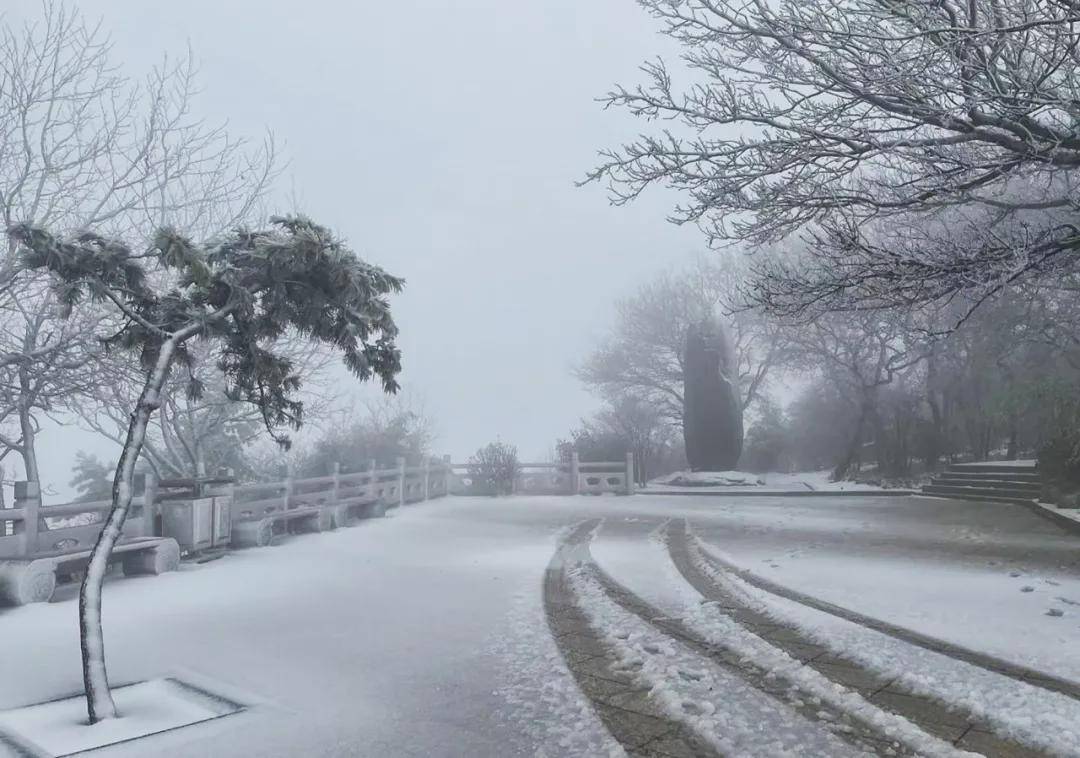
(1059,451)
(494,468)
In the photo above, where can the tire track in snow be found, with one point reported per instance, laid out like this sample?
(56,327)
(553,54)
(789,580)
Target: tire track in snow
(1015,671)
(620,703)
(1006,716)
(742,709)
(658,589)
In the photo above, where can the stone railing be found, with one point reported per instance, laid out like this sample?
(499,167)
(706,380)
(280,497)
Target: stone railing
(572,477)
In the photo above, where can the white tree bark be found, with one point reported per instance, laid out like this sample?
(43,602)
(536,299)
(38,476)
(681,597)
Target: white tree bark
(99,701)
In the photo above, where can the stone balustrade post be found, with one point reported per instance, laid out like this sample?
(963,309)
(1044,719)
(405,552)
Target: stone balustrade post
(146,488)
(28,499)
(335,471)
(630,473)
(401,479)
(575,473)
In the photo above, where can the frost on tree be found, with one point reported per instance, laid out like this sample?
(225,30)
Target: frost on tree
(245,292)
(712,416)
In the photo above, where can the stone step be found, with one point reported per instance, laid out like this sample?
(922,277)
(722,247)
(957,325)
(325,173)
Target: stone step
(1012,473)
(979,498)
(994,468)
(987,480)
(948,480)
(972,493)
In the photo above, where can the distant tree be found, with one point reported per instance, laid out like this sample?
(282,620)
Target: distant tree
(923,149)
(821,422)
(394,428)
(494,468)
(191,437)
(84,146)
(860,354)
(767,444)
(712,417)
(242,291)
(644,354)
(628,424)
(91,478)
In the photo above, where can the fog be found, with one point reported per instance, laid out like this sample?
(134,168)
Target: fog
(444,141)
(669,377)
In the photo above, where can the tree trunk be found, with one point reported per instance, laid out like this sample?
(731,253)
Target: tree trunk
(99,701)
(28,449)
(854,445)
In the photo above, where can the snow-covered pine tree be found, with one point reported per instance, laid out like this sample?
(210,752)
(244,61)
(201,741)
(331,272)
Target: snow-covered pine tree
(244,291)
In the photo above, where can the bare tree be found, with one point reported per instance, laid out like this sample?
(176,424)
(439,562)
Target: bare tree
(190,436)
(860,353)
(860,122)
(84,146)
(643,355)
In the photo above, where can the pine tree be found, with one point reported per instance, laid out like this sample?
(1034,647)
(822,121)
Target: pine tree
(244,291)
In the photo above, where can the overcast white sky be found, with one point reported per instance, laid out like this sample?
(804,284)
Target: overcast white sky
(443,139)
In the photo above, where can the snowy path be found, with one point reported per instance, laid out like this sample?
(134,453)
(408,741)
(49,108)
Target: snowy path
(425,634)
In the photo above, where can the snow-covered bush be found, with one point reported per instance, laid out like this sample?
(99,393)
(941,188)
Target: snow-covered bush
(494,468)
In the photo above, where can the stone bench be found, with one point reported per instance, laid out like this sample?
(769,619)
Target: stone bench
(34,581)
(259,530)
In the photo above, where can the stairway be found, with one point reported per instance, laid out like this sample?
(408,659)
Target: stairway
(996,482)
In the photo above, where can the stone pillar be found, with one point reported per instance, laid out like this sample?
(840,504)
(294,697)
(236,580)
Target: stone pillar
(629,473)
(427,478)
(448,474)
(335,471)
(146,487)
(575,473)
(28,499)
(401,480)
(286,496)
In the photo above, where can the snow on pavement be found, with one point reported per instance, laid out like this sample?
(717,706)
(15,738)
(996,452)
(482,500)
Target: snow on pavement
(992,578)
(734,717)
(423,634)
(390,638)
(643,566)
(1020,711)
(1005,613)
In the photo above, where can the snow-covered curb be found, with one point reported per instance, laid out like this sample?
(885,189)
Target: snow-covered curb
(1068,519)
(1020,711)
(743,482)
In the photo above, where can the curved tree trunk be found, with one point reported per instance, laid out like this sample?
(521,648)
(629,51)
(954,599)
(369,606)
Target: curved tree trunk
(99,702)
(29,445)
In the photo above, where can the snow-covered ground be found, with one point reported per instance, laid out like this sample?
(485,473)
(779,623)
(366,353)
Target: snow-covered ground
(986,576)
(735,481)
(424,633)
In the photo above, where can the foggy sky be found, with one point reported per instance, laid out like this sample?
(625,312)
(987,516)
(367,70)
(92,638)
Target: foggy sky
(443,139)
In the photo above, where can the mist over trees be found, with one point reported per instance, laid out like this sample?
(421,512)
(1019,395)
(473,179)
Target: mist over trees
(901,178)
(83,145)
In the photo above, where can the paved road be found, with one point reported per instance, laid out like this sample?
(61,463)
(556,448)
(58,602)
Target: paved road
(425,633)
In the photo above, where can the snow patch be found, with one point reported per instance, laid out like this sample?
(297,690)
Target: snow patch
(60,727)
(734,717)
(1019,711)
(647,570)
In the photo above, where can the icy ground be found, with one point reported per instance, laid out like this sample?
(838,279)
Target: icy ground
(423,634)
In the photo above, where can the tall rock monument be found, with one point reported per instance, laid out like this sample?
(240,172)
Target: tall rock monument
(712,406)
